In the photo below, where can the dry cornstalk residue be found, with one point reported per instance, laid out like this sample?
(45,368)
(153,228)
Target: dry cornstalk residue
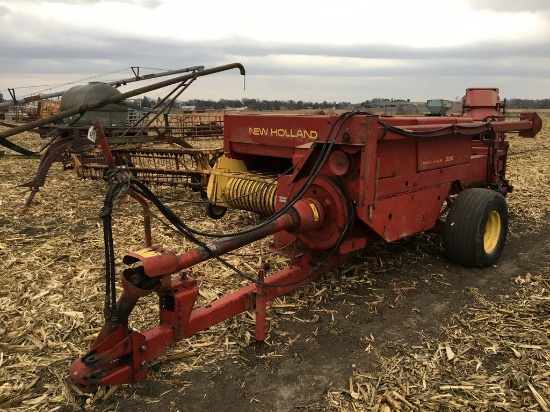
(51,260)
(494,355)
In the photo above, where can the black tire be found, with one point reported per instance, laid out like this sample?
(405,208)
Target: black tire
(214,211)
(476,228)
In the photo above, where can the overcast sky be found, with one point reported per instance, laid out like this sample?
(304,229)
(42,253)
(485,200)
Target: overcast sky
(337,50)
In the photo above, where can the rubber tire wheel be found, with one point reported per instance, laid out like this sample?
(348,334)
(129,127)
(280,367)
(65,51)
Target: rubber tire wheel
(473,212)
(214,211)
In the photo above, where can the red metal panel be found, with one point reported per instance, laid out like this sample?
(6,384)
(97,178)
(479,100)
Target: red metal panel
(413,212)
(369,167)
(435,153)
(477,172)
(273,135)
(481,97)
(408,183)
(256,149)
(276,130)
(397,157)
(481,103)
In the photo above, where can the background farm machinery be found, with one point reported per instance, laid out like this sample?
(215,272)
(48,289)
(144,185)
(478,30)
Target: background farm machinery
(153,144)
(329,186)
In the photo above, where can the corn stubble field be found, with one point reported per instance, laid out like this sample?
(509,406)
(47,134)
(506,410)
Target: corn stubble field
(492,353)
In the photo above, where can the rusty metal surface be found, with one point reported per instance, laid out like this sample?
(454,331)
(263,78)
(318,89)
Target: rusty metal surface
(148,156)
(196,125)
(152,165)
(115,99)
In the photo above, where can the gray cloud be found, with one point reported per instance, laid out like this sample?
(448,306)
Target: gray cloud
(249,48)
(71,44)
(75,2)
(335,72)
(150,4)
(510,5)
(83,55)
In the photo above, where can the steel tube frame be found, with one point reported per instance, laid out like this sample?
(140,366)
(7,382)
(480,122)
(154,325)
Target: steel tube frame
(115,99)
(116,83)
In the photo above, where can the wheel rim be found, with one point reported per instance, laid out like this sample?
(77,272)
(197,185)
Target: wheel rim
(492,232)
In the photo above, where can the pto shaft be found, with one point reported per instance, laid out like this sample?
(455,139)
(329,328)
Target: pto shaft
(307,214)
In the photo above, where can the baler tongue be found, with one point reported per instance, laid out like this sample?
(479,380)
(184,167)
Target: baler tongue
(109,362)
(120,355)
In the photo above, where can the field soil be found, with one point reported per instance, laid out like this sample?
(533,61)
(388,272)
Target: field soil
(396,328)
(315,352)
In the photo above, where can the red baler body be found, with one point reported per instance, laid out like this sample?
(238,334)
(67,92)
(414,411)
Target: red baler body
(343,182)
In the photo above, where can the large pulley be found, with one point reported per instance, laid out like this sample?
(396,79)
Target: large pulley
(338,213)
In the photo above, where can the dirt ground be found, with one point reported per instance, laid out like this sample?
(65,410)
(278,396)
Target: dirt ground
(318,348)
(392,304)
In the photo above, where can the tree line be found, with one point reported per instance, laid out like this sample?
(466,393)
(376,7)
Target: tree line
(259,104)
(528,103)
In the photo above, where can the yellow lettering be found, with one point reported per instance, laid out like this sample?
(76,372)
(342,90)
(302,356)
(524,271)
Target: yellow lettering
(258,131)
(311,134)
(315,212)
(287,133)
(432,162)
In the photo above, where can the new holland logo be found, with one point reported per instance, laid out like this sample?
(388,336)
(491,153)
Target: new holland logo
(286,133)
